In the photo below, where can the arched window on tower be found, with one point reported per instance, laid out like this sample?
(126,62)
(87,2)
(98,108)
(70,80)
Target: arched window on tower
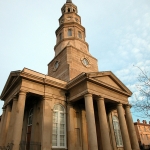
(117,131)
(79,34)
(59,127)
(69,10)
(69,32)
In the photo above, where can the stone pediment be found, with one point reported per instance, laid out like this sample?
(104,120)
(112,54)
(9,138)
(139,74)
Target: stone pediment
(107,78)
(26,74)
(10,81)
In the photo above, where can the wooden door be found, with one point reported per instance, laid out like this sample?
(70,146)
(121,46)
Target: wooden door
(28,137)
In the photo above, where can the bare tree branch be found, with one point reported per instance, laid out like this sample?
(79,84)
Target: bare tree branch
(142,103)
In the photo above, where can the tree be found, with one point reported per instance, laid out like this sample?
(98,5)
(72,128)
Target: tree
(142,103)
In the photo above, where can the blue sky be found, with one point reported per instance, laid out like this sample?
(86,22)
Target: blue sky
(118,33)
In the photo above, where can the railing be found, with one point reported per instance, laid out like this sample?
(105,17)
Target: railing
(30,146)
(8,147)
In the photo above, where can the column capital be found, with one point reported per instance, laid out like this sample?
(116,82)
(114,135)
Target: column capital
(22,92)
(88,95)
(14,98)
(100,98)
(4,108)
(8,105)
(119,104)
(128,105)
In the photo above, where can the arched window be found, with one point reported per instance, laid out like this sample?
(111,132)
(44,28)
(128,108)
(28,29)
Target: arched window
(69,10)
(69,32)
(117,132)
(59,127)
(79,35)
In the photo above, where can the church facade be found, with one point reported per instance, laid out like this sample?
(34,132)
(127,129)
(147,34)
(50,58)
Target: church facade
(74,107)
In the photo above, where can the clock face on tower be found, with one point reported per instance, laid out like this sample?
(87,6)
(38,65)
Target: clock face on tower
(56,65)
(85,61)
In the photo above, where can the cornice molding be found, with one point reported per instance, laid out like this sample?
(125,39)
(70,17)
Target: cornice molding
(43,80)
(69,24)
(86,77)
(13,83)
(69,39)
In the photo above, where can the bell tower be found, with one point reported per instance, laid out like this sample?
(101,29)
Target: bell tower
(72,55)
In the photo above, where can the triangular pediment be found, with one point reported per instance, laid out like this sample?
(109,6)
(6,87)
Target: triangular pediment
(11,79)
(109,79)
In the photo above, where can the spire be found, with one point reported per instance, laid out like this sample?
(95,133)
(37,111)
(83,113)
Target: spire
(69,1)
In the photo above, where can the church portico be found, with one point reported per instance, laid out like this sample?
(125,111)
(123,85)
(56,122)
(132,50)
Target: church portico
(87,115)
(74,107)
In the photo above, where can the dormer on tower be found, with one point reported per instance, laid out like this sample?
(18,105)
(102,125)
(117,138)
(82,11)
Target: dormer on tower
(72,55)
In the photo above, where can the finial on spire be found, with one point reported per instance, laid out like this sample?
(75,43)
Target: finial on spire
(69,1)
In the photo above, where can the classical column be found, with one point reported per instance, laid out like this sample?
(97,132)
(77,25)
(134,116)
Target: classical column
(70,123)
(2,122)
(123,127)
(2,126)
(9,138)
(91,127)
(84,130)
(46,137)
(19,114)
(131,129)
(5,125)
(103,124)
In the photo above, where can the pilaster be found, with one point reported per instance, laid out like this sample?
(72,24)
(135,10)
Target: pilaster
(70,123)
(84,130)
(9,138)
(46,137)
(5,125)
(2,124)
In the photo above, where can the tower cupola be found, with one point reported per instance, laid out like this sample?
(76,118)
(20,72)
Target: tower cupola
(70,29)
(69,7)
(72,55)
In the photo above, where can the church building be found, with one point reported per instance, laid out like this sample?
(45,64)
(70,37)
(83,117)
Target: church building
(74,107)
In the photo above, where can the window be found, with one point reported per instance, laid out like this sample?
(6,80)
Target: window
(69,32)
(79,35)
(56,65)
(117,132)
(30,117)
(68,9)
(59,127)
